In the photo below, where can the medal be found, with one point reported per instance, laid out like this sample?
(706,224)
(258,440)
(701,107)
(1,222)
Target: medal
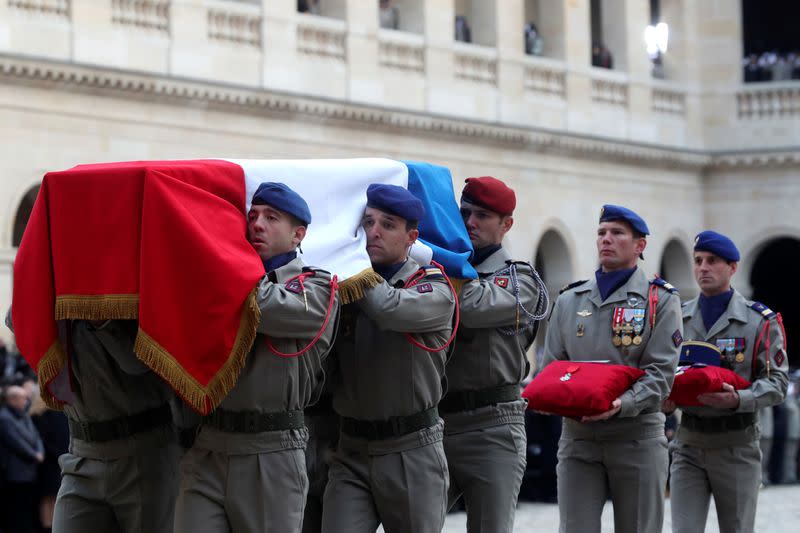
(616,340)
(580,331)
(740,357)
(626,340)
(617,325)
(637,340)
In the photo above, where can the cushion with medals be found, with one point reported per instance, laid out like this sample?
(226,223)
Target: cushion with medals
(691,381)
(572,388)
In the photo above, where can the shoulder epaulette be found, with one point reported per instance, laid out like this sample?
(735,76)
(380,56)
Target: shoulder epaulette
(315,269)
(667,286)
(572,285)
(763,310)
(432,272)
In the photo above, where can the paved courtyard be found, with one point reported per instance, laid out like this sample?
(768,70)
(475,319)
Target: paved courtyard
(778,512)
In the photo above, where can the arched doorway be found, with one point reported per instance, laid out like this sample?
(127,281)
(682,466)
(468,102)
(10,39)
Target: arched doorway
(23,214)
(676,267)
(554,264)
(771,282)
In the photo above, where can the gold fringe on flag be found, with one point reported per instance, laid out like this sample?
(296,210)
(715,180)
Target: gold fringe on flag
(352,289)
(97,307)
(458,284)
(50,365)
(203,398)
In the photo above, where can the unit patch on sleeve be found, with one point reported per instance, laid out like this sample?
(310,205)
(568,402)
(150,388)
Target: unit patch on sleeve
(780,357)
(424,287)
(293,285)
(501,282)
(677,338)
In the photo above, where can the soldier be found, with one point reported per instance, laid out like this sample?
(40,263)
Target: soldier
(484,417)
(623,318)
(717,447)
(390,466)
(246,470)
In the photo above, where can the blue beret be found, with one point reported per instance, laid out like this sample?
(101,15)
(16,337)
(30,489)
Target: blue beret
(716,243)
(395,201)
(617,212)
(704,353)
(284,199)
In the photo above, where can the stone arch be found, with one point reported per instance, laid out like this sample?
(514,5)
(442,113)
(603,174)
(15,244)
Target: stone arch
(676,267)
(22,214)
(554,261)
(771,282)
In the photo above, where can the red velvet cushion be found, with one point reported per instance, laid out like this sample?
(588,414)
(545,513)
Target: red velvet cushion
(590,389)
(695,380)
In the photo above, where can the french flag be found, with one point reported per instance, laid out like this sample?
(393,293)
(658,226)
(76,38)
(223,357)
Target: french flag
(164,242)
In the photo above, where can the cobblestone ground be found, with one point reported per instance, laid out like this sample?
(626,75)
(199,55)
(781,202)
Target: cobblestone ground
(778,512)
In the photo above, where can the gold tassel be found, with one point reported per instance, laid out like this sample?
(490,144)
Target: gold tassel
(203,398)
(353,288)
(458,284)
(97,307)
(50,365)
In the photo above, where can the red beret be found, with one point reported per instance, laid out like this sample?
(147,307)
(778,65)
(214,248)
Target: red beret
(571,388)
(490,193)
(692,381)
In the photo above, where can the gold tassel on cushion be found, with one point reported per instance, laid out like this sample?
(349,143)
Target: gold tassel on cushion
(353,288)
(203,398)
(97,307)
(50,365)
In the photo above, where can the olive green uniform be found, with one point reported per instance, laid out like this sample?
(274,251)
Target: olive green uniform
(121,470)
(717,450)
(390,466)
(246,470)
(625,456)
(484,417)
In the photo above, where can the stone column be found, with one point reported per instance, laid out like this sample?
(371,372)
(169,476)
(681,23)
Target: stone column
(189,38)
(363,79)
(278,44)
(510,21)
(576,42)
(92,33)
(439,35)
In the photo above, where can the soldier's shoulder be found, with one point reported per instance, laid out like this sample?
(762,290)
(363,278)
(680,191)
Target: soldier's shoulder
(571,286)
(522,267)
(431,272)
(664,284)
(765,312)
(317,272)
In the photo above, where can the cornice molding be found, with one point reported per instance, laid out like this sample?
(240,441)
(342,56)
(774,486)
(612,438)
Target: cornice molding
(232,98)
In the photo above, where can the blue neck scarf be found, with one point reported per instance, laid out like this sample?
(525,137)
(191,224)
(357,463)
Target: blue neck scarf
(277,261)
(481,254)
(712,307)
(387,272)
(608,282)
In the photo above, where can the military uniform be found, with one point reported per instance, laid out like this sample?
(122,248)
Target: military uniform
(485,439)
(323,438)
(717,450)
(625,455)
(121,470)
(390,466)
(246,470)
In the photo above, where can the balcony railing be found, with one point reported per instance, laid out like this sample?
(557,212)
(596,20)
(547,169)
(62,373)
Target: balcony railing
(321,36)
(234,22)
(475,63)
(772,100)
(401,50)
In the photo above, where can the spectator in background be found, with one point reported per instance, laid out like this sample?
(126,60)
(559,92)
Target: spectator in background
(388,15)
(601,56)
(463,32)
(534,44)
(22,451)
(308,6)
(54,431)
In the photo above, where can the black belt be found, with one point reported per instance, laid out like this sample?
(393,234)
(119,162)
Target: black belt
(395,426)
(456,401)
(254,421)
(122,427)
(718,424)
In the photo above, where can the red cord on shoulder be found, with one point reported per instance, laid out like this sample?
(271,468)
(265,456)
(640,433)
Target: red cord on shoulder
(334,287)
(413,280)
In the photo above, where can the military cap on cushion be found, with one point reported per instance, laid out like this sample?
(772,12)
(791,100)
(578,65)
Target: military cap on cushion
(283,198)
(616,212)
(716,243)
(571,388)
(489,193)
(700,352)
(692,381)
(395,200)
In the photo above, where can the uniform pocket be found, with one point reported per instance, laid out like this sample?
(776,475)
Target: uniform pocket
(70,464)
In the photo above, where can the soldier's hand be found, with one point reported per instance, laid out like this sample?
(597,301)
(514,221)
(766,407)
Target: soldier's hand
(727,399)
(668,406)
(39,457)
(616,405)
